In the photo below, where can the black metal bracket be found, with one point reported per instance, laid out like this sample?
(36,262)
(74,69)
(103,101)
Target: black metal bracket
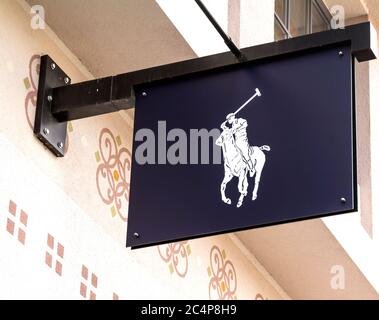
(58,101)
(46,127)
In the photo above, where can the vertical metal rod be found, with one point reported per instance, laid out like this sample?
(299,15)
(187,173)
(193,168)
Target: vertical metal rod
(228,41)
(308,15)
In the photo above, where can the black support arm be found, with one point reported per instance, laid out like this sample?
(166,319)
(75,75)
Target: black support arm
(58,101)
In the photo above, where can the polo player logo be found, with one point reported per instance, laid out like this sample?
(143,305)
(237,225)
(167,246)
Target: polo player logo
(239,157)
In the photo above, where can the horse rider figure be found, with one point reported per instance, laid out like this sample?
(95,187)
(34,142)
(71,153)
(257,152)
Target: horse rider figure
(238,128)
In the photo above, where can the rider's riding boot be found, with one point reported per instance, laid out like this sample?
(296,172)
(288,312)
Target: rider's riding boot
(251,168)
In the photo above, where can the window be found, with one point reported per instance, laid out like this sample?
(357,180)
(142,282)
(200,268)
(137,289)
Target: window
(294,18)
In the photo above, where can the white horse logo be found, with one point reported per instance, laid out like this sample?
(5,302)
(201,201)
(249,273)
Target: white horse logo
(239,157)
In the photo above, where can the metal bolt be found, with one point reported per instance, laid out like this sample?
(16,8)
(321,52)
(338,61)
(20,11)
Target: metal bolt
(136,235)
(144,94)
(49,98)
(53,66)
(340,54)
(343,200)
(46,131)
(60,145)
(67,80)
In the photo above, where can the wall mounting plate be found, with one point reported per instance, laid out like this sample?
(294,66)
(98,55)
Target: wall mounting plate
(46,127)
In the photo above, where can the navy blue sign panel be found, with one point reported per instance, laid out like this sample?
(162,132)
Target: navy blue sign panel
(281,148)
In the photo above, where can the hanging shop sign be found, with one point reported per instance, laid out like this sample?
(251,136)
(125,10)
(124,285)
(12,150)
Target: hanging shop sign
(258,144)
(224,144)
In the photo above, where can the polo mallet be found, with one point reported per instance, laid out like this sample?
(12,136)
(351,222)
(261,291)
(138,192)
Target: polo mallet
(257,94)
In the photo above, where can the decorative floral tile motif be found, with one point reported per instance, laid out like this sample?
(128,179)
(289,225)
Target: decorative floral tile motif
(31,85)
(54,254)
(88,284)
(223,277)
(113,173)
(17,222)
(176,256)
(259,297)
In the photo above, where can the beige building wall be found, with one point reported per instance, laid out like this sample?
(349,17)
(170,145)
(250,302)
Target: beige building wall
(63,221)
